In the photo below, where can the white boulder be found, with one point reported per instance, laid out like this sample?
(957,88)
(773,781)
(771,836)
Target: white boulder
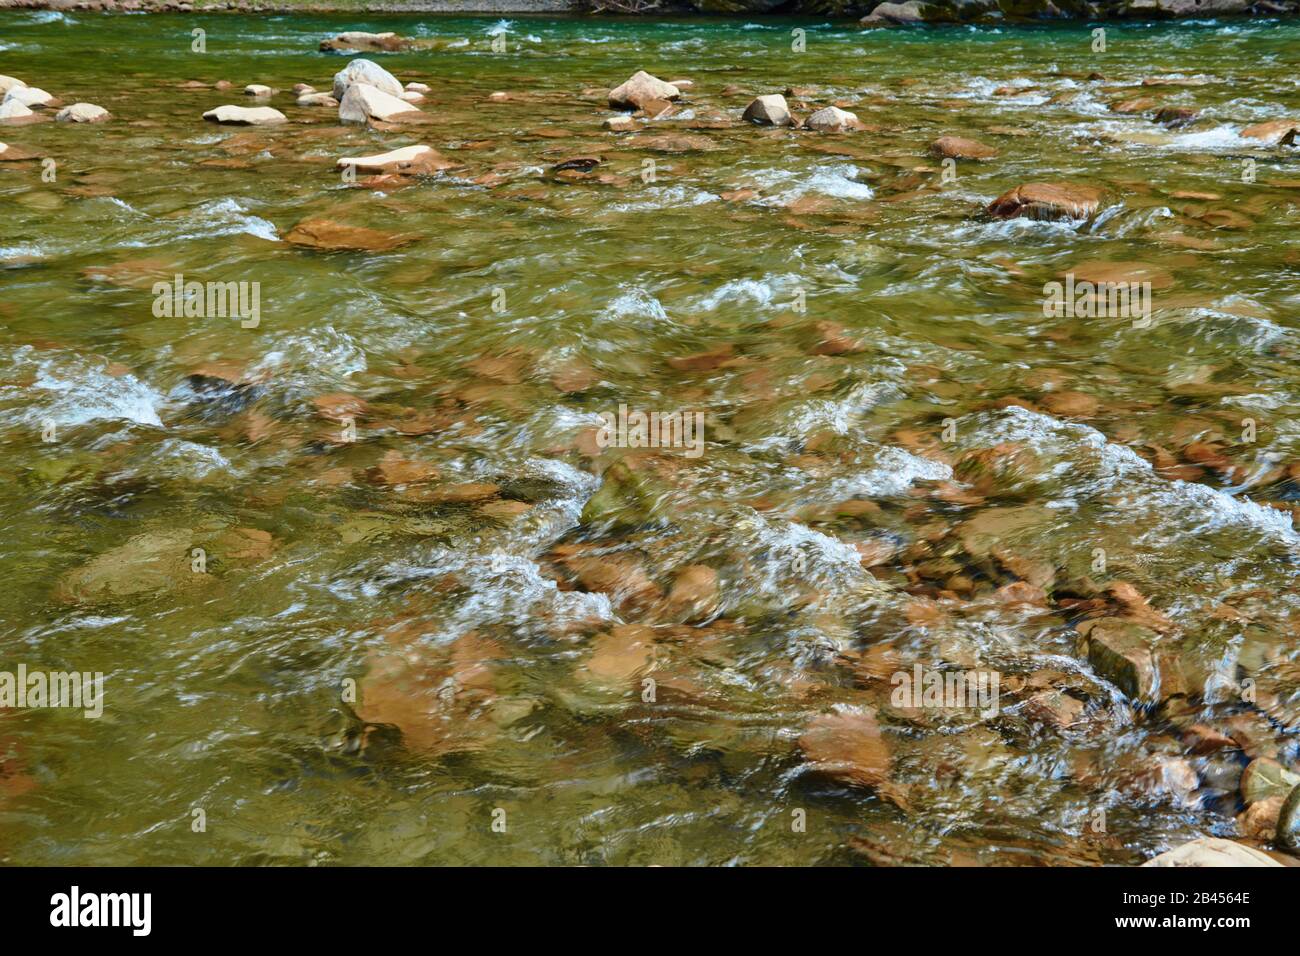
(365,72)
(362,102)
(82,113)
(245,116)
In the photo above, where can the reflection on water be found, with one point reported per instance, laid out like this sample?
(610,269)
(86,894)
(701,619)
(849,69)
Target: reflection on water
(361,576)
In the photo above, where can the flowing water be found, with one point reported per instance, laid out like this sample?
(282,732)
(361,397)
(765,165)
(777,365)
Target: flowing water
(366,587)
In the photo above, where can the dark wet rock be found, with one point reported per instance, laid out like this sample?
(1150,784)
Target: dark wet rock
(1047,201)
(1120,651)
(769,110)
(583,164)
(221,396)
(1175,117)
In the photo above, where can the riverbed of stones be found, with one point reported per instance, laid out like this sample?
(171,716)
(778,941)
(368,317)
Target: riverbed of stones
(1117,626)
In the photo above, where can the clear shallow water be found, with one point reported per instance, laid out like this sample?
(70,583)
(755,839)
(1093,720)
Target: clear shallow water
(484,622)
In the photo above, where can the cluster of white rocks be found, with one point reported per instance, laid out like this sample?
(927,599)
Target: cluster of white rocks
(20,104)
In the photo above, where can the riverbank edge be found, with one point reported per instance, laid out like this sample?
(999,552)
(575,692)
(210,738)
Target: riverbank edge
(1265,9)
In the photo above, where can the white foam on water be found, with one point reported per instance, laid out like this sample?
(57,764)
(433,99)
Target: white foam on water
(194,460)
(894,471)
(837,182)
(634,303)
(786,551)
(1220,137)
(70,391)
(1093,466)
(229,217)
(325,358)
(761,292)
(46,16)
(666,197)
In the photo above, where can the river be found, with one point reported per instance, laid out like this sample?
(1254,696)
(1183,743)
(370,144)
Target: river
(367,584)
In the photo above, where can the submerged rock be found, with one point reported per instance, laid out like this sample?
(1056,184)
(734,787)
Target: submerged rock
(639,89)
(362,42)
(367,73)
(317,99)
(1046,201)
(957,147)
(1212,851)
(769,110)
(332,236)
(1139,104)
(847,745)
(149,563)
(16,154)
(245,116)
(1121,652)
(82,113)
(362,102)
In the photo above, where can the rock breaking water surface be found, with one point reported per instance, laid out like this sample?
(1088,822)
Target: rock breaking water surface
(394,481)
